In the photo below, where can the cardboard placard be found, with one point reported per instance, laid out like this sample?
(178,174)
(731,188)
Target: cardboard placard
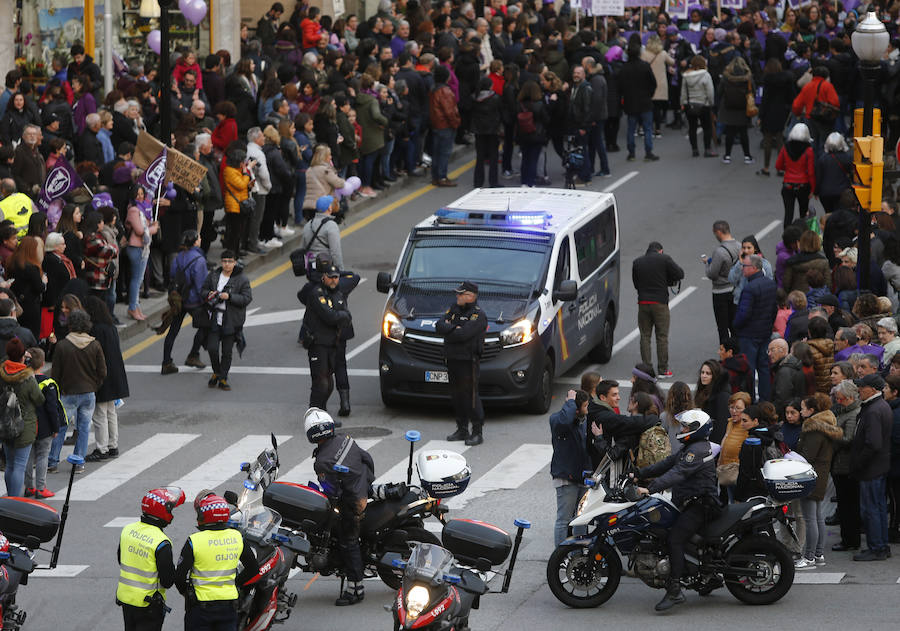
(180,169)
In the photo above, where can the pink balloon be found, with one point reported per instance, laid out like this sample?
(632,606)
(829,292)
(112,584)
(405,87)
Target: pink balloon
(154,41)
(195,11)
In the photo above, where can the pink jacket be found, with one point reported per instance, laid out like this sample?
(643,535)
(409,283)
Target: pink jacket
(137,224)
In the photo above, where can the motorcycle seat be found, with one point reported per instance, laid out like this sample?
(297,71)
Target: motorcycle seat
(729,516)
(379,513)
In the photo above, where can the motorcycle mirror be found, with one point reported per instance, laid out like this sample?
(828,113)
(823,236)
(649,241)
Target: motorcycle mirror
(413,436)
(245,466)
(231,497)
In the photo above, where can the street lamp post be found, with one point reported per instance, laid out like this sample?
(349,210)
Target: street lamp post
(870,40)
(160,9)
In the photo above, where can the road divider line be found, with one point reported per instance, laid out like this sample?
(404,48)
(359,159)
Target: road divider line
(818,578)
(620,181)
(397,473)
(769,228)
(509,474)
(120,522)
(359,349)
(60,571)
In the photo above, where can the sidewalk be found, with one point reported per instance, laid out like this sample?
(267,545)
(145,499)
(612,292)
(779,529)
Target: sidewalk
(154,306)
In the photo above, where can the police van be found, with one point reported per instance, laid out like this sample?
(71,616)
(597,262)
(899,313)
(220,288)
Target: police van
(546,262)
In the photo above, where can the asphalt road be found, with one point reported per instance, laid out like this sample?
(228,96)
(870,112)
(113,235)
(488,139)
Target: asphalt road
(175,430)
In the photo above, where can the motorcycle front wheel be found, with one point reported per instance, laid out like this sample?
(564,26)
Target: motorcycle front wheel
(582,576)
(768,555)
(394,578)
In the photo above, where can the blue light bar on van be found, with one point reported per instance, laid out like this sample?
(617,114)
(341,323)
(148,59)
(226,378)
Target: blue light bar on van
(536,218)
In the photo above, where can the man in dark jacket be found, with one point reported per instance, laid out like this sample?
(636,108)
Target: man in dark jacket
(486,125)
(227,293)
(570,459)
(754,319)
(82,64)
(10,327)
(597,138)
(267,26)
(88,147)
(418,108)
(788,380)
(652,275)
(463,327)
(445,120)
(580,117)
(612,434)
(324,324)
(870,461)
(637,85)
(213,82)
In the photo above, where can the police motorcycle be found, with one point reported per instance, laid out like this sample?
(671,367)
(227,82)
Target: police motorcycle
(25,524)
(442,584)
(394,515)
(263,599)
(616,526)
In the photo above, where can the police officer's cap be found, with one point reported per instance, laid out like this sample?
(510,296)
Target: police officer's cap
(465,286)
(331,271)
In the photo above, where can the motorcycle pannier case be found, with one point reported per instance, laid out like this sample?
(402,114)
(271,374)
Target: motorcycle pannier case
(297,503)
(20,517)
(442,473)
(476,539)
(788,480)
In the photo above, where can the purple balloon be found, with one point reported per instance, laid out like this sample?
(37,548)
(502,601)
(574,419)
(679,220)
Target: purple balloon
(353,183)
(195,11)
(154,41)
(182,4)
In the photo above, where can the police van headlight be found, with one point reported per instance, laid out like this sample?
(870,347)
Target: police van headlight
(521,332)
(392,328)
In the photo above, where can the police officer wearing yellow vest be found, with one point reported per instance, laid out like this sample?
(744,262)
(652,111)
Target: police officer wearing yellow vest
(146,568)
(207,569)
(17,207)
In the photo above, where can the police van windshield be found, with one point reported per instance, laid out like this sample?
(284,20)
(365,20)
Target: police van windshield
(432,259)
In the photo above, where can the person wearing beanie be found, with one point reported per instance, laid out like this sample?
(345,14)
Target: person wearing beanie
(51,419)
(322,233)
(18,381)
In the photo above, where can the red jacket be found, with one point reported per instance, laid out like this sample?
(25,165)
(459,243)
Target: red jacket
(181,67)
(803,104)
(224,134)
(442,107)
(801,170)
(311,33)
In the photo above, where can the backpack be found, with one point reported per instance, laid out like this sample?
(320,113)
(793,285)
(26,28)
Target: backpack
(302,259)
(653,446)
(525,122)
(180,282)
(11,421)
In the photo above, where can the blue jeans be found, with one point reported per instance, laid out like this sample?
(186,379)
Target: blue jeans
(567,498)
(873,510)
(598,145)
(366,167)
(80,408)
(646,121)
(531,153)
(138,266)
(16,461)
(814,514)
(299,195)
(386,154)
(440,157)
(755,350)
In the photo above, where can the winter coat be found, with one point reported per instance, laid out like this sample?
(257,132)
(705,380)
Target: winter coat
(486,114)
(658,64)
(613,94)
(580,100)
(261,180)
(736,277)
(798,162)
(719,264)
(734,86)
(637,86)
(237,189)
(812,92)
(14,122)
(788,382)
(328,238)
(281,175)
(193,263)
(98,254)
(697,88)
(541,118)
(239,296)
(740,377)
(815,445)
(370,118)
(846,421)
(225,133)
(320,180)
(51,415)
(442,109)
(21,379)
(653,274)
(569,439)
(797,266)
(115,384)
(833,171)
(870,451)
(78,364)
(782,254)
(776,101)
(756,311)
(599,101)
(624,431)
(717,407)
(823,360)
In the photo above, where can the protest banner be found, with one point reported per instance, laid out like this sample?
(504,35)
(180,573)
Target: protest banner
(180,169)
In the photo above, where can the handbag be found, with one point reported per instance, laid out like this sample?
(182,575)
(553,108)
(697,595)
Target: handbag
(727,474)
(751,110)
(247,206)
(823,112)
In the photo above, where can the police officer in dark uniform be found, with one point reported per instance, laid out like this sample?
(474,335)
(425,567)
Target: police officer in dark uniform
(325,323)
(347,282)
(691,474)
(348,491)
(463,327)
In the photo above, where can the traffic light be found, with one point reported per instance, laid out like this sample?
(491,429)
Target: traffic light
(868,163)
(858,121)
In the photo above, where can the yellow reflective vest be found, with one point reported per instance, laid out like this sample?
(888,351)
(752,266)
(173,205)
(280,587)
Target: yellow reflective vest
(138,576)
(216,557)
(17,208)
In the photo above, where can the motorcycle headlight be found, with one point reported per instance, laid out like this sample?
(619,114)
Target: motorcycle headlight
(521,332)
(581,504)
(392,328)
(416,600)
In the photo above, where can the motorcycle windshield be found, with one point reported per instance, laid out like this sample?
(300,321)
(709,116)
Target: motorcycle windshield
(260,476)
(259,524)
(428,562)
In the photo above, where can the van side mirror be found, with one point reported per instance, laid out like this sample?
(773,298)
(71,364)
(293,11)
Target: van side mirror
(383,282)
(568,290)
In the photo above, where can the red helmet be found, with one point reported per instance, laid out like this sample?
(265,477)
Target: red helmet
(211,508)
(160,503)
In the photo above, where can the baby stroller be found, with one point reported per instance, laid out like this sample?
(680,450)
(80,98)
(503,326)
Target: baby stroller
(572,160)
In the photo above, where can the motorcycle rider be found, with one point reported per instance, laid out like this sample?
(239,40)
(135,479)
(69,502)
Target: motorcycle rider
(146,568)
(348,491)
(691,474)
(207,568)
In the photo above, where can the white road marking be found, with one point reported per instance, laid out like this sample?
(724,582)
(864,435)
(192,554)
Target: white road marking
(397,473)
(274,317)
(510,473)
(818,578)
(115,473)
(303,472)
(359,349)
(274,371)
(762,233)
(633,335)
(120,522)
(61,571)
(225,464)
(620,181)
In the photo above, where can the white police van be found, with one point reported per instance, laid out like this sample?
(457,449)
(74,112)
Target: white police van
(546,262)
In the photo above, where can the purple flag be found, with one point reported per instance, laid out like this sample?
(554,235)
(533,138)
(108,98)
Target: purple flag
(152,178)
(61,179)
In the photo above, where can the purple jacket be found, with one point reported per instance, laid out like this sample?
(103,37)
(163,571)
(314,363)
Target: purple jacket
(868,349)
(82,107)
(782,255)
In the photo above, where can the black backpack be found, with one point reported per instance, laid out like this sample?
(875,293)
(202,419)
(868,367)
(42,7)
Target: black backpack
(179,282)
(11,421)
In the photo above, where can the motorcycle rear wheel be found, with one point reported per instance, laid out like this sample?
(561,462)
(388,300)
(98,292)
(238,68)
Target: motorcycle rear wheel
(394,578)
(769,555)
(575,575)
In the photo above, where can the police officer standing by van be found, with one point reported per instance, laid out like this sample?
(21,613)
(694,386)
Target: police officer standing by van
(324,324)
(463,327)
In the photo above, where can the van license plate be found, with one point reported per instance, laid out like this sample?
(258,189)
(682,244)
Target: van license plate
(437,376)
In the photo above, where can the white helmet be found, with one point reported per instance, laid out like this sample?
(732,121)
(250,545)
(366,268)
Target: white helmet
(695,424)
(318,425)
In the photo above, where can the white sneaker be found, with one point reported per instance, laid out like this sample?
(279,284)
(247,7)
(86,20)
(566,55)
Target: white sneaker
(286,232)
(804,564)
(277,231)
(273,243)
(820,560)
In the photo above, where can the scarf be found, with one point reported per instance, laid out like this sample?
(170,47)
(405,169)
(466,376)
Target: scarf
(68,263)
